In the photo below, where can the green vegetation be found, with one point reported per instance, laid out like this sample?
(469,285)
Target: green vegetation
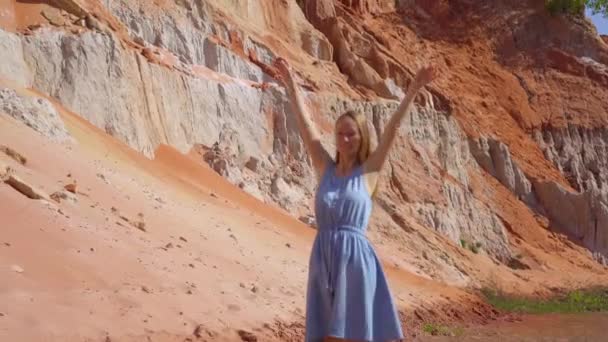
(577,6)
(578,301)
(441,330)
(473,247)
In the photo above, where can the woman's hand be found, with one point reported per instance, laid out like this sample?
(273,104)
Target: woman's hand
(284,70)
(424,76)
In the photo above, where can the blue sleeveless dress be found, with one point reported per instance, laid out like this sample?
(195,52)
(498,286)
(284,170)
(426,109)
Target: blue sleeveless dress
(348,295)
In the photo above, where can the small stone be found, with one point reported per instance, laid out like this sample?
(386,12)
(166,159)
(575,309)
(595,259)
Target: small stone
(17,268)
(58,196)
(7,244)
(183,239)
(141,226)
(145,289)
(92,249)
(13,154)
(169,245)
(198,331)
(254,289)
(247,336)
(191,265)
(25,189)
(70,187)
(288,245)
(252,164)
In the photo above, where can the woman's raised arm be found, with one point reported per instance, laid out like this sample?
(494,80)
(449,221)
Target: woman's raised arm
(308,131)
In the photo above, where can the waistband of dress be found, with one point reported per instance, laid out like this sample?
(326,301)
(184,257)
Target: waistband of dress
(344,228)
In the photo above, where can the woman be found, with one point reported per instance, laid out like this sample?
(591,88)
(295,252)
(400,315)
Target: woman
(348,296)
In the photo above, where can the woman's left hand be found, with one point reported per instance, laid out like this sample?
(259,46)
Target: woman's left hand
(424,76)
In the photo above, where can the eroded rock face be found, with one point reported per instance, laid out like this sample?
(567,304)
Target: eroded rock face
(495,157)
(197,73)
(150,104)
(581,156)
(13,66)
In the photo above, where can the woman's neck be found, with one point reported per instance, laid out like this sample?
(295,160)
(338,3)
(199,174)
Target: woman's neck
(346,165)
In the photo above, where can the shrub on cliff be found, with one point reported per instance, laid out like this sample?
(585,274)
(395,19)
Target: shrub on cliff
(577,6)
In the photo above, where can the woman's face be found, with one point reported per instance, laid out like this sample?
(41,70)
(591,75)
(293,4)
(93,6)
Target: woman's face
(348,138)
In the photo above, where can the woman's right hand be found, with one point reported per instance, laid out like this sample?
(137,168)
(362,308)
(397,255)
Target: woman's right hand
(284,70)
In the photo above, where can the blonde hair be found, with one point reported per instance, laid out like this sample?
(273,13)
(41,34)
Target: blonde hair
(365,147)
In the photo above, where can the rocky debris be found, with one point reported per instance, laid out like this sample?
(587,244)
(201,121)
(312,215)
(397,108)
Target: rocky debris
(54,16)
(103,178)
(309,220)
(26,189)
(226,155)
(247,336)
(35,112)
(286,195)
(217,159)
(13,154)
(200,332)
(69,196)
(254,190)
(141,225)
(93,23)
